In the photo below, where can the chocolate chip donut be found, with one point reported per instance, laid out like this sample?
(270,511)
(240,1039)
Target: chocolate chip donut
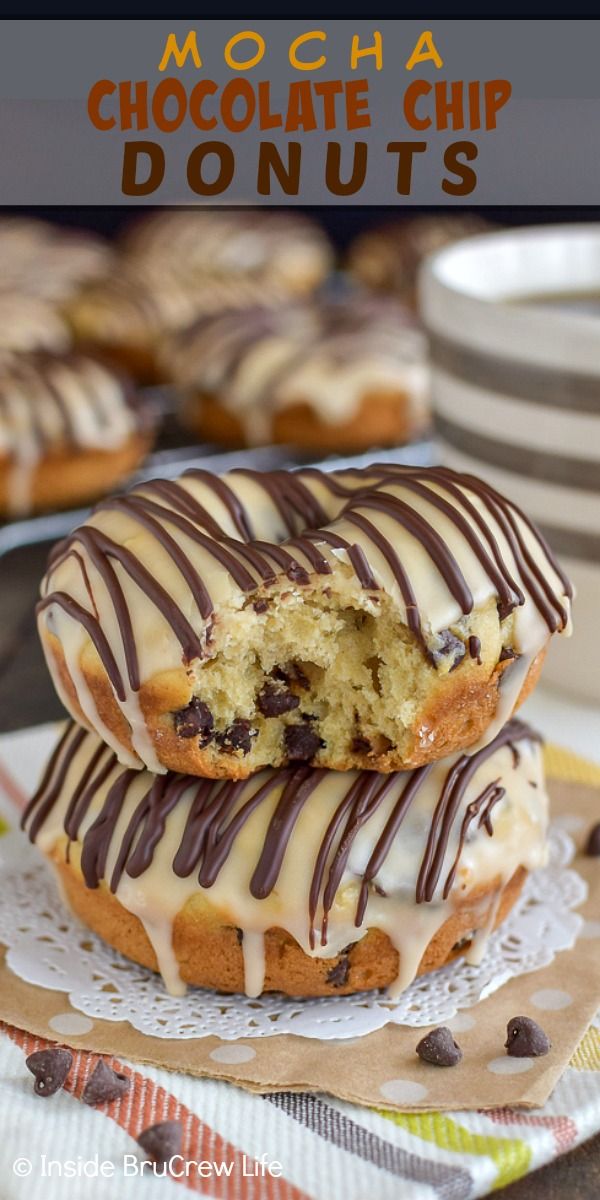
(387,258)
(300,880)
(70,431)
(327,376)
(202,246)
(177,265)
(126,317)
(29,324)
(42,259)
(377,618)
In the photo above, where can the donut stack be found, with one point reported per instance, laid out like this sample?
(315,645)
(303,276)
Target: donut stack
(293,762)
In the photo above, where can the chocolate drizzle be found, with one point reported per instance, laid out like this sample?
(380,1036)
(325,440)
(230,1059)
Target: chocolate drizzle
(218,811)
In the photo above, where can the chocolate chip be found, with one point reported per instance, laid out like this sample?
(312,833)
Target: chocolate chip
(274,700)
(237,736)
(360,745)
(337,976)
(439,1048)
(50,1068)
(260,606)
(447,648)
(592,846)
(296,573)
(474,644)
(464,941)
(301,743)
(105,1084)
(506,653)
(194,721)
(292,673)
(526,1039)
(162,1141)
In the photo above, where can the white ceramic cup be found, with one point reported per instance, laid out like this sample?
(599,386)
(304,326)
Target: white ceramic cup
(516,397)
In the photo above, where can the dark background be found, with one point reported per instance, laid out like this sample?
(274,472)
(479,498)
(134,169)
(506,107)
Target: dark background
(341,223)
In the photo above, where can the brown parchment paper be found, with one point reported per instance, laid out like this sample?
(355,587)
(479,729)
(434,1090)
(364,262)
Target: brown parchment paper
(362,1069)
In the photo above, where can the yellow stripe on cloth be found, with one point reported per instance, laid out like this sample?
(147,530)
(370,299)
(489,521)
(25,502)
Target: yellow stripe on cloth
(587,1054)
(569,767)
(510,1156)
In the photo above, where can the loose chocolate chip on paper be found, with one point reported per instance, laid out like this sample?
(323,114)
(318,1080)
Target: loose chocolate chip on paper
(301,743)
(50,1068)
(195,720)
(592,846)
(439,1048)
(275,700)
(162,1141)
(105,1084)
(526,1039)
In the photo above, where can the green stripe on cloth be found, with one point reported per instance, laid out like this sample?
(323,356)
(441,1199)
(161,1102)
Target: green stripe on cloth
(510,1156)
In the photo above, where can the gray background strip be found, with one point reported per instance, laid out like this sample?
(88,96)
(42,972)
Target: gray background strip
(544,151)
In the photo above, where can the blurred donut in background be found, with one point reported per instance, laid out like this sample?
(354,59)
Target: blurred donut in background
(387,258)
(71,429)
(328,376)
(283,250)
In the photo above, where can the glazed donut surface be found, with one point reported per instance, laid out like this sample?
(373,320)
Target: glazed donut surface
(299,880)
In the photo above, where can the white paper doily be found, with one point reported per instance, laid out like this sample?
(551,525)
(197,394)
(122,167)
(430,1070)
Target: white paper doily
(49,947)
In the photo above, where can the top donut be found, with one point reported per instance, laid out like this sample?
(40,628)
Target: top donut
(378,618)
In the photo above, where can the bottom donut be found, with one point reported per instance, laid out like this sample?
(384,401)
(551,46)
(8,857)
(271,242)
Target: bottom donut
(301,881)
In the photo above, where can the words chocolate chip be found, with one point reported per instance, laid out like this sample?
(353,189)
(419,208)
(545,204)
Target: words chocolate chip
(592,846)
(50,1068)
(439,1048)
(526,1039)
(105,1084)
(162,1141)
